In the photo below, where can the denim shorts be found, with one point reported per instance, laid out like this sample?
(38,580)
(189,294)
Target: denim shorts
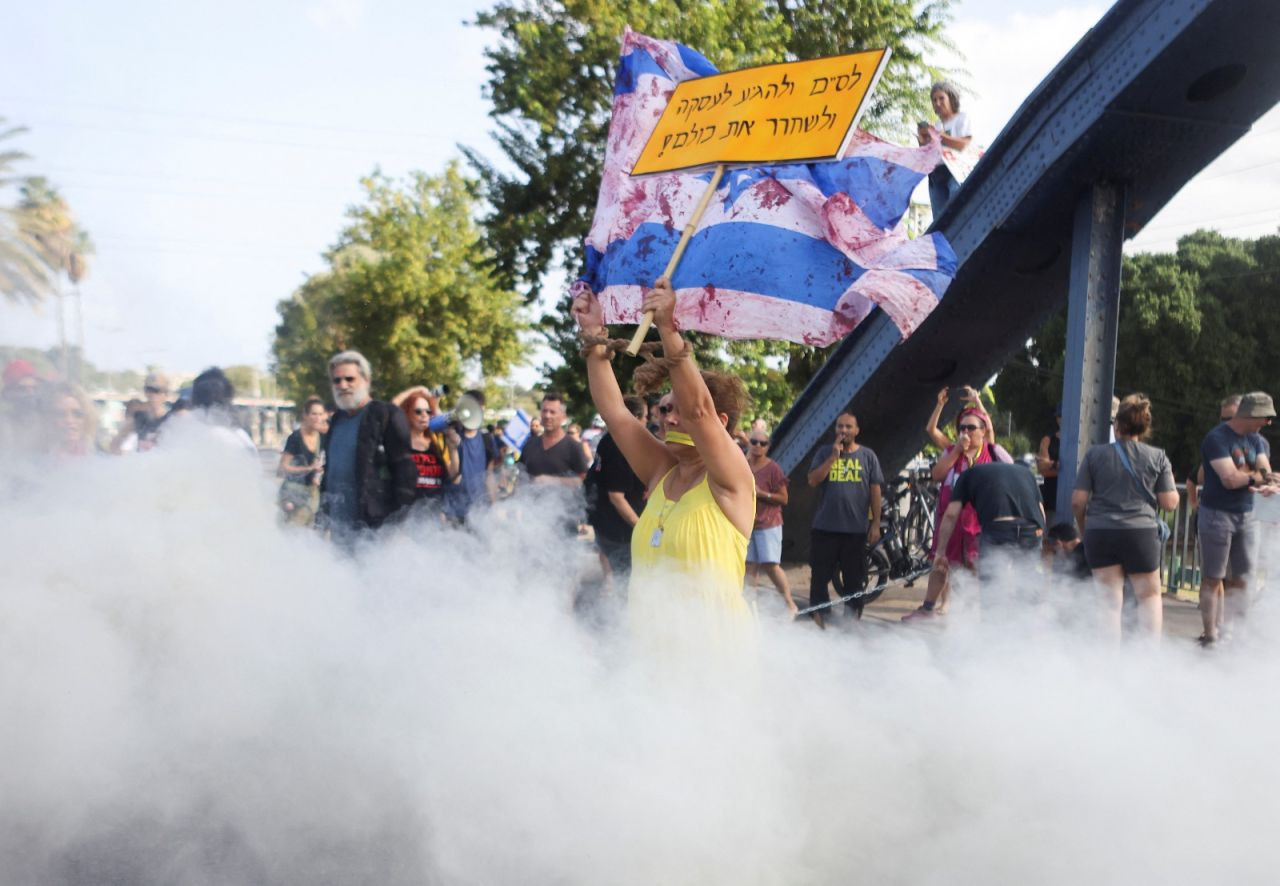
(765,546)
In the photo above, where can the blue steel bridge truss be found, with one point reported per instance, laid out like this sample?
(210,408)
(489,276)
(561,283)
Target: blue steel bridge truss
(1148,97)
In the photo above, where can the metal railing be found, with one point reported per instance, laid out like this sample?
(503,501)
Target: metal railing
(1180,555)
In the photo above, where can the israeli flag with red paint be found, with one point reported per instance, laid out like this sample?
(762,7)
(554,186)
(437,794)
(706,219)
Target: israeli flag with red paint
(800,252)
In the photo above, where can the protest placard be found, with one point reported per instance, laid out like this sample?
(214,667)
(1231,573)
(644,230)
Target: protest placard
(782,113)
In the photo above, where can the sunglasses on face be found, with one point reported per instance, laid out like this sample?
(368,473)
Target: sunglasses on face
(759,442)
(151,390)
(349,379)
(666,408)
(422,412)
(969,429)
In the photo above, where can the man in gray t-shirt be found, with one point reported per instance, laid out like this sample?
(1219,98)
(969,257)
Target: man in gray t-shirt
(849,483)
(1237,466)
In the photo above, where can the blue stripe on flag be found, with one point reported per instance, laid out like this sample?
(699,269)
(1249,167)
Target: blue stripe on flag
(946,256)
(937,281)
(745,256)
(696,61)
(631,66)
(882,189)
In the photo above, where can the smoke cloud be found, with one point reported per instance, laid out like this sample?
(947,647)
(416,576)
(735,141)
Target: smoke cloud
(193,695)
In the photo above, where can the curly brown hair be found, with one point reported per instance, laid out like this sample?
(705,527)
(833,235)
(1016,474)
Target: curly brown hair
(728,393)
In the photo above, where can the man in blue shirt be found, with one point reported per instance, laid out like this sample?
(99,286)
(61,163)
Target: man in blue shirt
(1239,464)
(368,474)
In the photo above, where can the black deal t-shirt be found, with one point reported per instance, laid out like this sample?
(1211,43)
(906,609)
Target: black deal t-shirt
(844,498)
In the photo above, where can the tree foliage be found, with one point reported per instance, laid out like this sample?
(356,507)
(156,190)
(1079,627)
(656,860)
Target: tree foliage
(1195,326)
(39,237)
(551,83)
(47,223)
(408,286)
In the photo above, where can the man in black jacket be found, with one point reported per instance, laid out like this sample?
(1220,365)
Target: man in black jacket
(368,472)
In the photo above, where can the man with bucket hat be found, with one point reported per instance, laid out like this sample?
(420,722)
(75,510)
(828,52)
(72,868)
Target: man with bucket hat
(1239,466)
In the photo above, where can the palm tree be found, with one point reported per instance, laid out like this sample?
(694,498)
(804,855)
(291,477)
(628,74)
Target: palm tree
(24,275)
(47,224)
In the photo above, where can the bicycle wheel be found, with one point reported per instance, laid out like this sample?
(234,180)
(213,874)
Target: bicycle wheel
(877,575)
(919,532)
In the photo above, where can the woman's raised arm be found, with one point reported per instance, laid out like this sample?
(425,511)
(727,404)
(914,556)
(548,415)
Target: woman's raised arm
(646,455)
(727,468)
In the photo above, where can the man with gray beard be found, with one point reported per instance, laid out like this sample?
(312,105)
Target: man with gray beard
(368,472)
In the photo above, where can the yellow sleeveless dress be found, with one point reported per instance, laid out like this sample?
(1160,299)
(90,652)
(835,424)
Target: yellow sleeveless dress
(688,563)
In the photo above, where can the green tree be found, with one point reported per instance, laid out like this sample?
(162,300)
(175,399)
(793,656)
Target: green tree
(1195,326)
(309,333)
(39,237)
(49,225)
(408,286)
(551,83)
(23,276)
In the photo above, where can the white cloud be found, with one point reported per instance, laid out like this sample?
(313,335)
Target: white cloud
(1008,55)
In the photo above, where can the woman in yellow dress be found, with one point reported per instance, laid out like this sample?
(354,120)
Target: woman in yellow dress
(688,551)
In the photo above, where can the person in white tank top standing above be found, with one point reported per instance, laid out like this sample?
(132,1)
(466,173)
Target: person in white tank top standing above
(954,132)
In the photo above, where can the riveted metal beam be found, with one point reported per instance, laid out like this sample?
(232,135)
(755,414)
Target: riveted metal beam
(1093,320)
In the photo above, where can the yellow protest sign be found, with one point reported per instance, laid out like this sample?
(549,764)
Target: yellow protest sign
(782,113)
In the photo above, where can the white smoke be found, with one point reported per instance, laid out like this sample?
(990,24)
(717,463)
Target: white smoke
(192,695)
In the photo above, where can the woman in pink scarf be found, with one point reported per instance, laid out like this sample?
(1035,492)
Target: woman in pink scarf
(975,445)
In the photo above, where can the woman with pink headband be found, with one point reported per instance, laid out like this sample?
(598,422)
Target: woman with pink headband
(975,444)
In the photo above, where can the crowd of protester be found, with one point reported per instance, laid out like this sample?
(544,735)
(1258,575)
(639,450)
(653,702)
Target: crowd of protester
(687,487)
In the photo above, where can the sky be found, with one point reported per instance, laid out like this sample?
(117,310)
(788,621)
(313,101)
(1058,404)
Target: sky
(211,150)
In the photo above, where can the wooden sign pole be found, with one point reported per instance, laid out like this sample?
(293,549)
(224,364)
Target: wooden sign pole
(643,329)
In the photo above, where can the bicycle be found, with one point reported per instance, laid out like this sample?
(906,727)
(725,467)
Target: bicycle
(901,552)
(918,522)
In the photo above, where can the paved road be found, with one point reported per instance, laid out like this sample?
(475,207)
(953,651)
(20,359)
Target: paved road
(1181,617)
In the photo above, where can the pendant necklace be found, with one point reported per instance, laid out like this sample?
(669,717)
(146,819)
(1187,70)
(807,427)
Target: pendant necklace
(655,540)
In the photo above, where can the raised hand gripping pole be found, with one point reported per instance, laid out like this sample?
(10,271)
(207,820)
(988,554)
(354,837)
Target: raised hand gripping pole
(643,329)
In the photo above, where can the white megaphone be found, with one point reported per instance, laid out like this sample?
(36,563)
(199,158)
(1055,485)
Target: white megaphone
(468,413)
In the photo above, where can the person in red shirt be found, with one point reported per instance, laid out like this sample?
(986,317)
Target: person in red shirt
(434,468)
(764,552)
